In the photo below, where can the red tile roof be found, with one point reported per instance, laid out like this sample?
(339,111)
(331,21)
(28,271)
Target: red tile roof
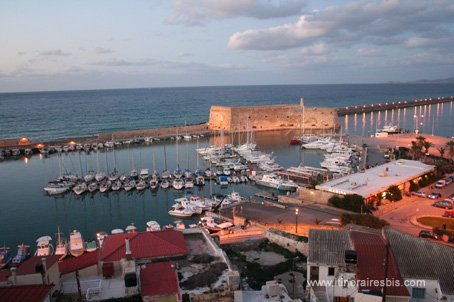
(371,250)
(29,265)
(77,263)
(25,293)
(165,243)
(158,279)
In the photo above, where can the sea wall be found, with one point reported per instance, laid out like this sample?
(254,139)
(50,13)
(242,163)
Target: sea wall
(273,117)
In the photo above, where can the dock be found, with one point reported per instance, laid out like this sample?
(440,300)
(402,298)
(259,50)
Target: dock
(392,105)
(266,195)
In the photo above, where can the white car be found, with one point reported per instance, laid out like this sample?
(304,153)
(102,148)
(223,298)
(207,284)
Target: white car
(440,184)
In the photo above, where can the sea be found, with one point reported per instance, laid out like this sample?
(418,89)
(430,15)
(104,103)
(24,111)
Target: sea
(27,213)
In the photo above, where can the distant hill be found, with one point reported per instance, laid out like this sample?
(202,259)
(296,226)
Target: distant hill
(437,81)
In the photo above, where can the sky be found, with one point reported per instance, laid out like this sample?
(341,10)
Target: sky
(102,44)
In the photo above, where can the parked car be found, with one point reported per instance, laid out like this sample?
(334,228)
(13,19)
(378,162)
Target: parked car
(449,214)
(427,234)
(419,193)
(445,204)
(448,180)
(452,197)
(440,184)
(434,195)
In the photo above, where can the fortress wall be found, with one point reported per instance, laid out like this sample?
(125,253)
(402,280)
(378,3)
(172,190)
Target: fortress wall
(262,118)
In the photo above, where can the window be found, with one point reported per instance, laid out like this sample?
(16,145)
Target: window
(418,293)
(330,271)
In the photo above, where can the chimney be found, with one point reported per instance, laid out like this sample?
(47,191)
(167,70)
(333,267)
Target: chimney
(13,274)
(128,249)
(46,276)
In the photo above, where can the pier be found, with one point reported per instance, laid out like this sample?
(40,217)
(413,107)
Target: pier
(391,105)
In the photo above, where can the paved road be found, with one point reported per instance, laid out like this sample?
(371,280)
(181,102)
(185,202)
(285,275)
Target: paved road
(272,215)
(399,219)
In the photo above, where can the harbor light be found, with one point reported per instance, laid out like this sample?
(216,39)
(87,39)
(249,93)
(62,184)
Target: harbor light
(296,220)
(39,146)
(24,141)
(72,143)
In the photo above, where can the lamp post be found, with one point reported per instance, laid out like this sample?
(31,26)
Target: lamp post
(296,220)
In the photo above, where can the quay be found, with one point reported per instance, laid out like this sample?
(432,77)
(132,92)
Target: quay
(392,105)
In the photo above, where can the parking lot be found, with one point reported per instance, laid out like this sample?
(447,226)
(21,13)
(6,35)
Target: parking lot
(403,218)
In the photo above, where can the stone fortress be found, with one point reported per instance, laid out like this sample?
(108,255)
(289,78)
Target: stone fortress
(274,117)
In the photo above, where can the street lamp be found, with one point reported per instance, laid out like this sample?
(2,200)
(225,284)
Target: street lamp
(296,220)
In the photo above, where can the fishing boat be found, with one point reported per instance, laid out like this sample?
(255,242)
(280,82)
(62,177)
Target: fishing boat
(61,248)
(80,188)
(44,247)
(153,226)
(23,252)
(5,257)
(76,244)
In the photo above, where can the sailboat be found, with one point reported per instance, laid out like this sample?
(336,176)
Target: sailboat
(133,173)
(165,173)
(80,188)
(62,246)
(99,175)
(178,173)
(76,244)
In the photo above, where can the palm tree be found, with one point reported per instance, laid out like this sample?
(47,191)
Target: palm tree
(450,147)
(420,140)
(415,150)
(427,145)
(442,152)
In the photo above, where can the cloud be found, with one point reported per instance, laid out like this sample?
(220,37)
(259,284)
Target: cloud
(53,53)
(384,22)
(315,50)
(197,12)
(369,52)
(21,53)
(101,50)
(185,54)
(417,42)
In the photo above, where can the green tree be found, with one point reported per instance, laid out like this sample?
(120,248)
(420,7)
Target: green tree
(427,145)
(450,148)
(394,193)
(442,151)
(415,150)
(351,202)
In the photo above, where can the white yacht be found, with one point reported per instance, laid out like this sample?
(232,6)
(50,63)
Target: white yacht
(274,181)
(44,247)
(76,244)
(180,211)
(153,226)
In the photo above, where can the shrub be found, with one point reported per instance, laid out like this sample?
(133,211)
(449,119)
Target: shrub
(364,220)
(352,202)
(413,186)
(394,193)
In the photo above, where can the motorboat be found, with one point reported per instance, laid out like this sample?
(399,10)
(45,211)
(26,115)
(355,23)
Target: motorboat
(194,202)
(117,231)
(235,197)
(274,181)
(23,252)
(5,257)
(131,228)
(180,211)
(141,185)
(226,171)
(76,244)
(178,184)
(80,188)
(153,226)
(44,247)
(61,248)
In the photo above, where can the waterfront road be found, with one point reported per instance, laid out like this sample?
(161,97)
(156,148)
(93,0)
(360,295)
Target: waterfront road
(268,214)
(402,218)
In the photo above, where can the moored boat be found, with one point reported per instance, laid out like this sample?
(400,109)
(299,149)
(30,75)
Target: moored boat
(76,244)
(23,252)
(44,247)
